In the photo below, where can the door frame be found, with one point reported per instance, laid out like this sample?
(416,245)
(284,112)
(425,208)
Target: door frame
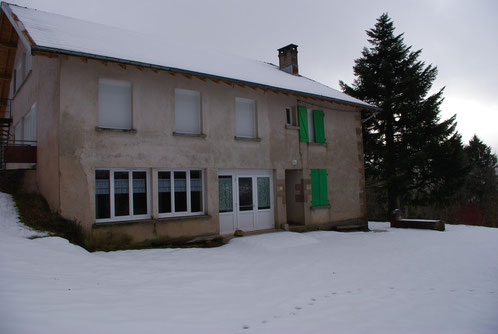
(225,217)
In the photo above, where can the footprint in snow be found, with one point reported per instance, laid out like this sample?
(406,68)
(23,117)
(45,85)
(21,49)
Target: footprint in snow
(245,327)
(298,308)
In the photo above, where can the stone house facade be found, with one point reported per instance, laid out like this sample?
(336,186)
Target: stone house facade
(150,151)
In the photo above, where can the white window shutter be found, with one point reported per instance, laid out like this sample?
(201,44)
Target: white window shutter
(114,104)
(245,115)
(187,111)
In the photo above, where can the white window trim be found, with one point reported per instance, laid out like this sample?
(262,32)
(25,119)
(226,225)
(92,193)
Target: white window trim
(130,192)
(189,205)
(18,127)
(22,69)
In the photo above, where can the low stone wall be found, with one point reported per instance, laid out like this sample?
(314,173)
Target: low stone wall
(398,221)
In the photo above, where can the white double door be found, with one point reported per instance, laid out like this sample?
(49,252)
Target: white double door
(245,200)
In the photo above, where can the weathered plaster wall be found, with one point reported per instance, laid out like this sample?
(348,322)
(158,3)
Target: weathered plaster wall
(42,87)
(154,145)
(295,198)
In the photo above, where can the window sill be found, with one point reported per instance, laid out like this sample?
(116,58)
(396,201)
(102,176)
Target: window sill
(291,127)
(149,221)
(102,129)
(257,139)
(317,144)
(318,207)
(182,134)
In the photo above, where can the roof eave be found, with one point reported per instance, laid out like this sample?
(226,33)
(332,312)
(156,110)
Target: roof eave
(37,48)
(18,26)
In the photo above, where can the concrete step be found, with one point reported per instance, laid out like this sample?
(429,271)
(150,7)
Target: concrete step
(350,228)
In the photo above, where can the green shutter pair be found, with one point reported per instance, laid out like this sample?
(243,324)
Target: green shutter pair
(319,194)
(317,123)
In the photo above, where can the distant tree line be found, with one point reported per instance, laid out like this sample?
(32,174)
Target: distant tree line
(414,160)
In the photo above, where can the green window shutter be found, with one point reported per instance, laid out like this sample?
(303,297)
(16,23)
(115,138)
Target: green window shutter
(319,195)
(324,197)
(319,128)
(315,187)
(303,123)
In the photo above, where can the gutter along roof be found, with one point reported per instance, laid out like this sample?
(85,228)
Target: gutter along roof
(44,32)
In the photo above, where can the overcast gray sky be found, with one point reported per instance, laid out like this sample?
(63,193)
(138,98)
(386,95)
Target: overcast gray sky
(457,36)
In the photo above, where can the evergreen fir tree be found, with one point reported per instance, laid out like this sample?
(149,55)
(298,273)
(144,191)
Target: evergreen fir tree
(410,153)
(481,186)
(482,179)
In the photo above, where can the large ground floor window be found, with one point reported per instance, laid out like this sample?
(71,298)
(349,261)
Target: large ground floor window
(130,194)
(121,194)
(180,192)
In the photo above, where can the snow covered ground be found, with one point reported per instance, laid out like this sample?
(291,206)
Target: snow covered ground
(385,281)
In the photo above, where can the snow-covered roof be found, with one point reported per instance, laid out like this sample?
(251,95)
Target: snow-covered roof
(57,33)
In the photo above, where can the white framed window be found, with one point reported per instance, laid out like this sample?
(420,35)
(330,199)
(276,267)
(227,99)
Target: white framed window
(29,126)
(180,192)
(25,128)
(114,104)
(18,131)
(290,116)
(121,194)
(21,71)
(187,111)
(28,63)
(245,118)
(19,74)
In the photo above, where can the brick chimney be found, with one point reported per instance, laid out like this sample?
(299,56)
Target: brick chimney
(287,57)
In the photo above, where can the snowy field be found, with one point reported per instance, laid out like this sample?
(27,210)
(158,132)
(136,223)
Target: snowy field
(385,281)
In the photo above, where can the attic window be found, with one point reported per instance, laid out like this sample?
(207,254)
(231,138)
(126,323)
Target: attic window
(114,104)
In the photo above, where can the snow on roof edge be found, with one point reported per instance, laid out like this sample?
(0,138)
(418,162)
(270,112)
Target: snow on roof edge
(186,71)
(35,46)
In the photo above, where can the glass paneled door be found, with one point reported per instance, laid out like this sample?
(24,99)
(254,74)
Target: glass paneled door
(245,200)
(246,203)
